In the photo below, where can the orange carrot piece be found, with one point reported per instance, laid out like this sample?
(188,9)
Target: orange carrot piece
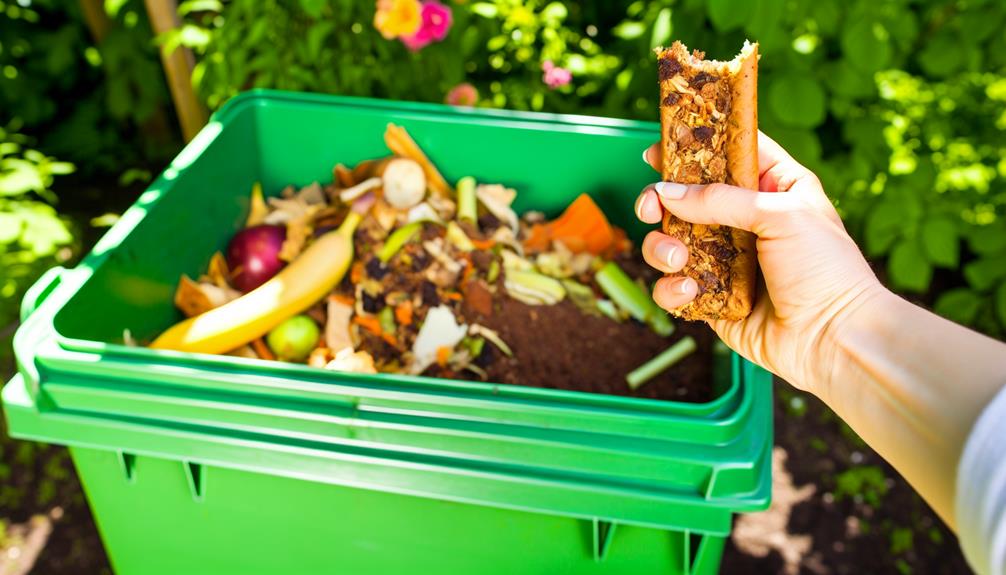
(443,354)
(456,296)
(262,350)
(403,313)
(581,227)
(369,323)
(343,299)
(486,244)
(356,272)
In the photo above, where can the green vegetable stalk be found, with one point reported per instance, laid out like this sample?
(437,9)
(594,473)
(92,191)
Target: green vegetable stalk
(467,208)
(629,296)
(672,355)
(397,240)
(386,317)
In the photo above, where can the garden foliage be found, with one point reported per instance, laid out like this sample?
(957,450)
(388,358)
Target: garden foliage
(898,105)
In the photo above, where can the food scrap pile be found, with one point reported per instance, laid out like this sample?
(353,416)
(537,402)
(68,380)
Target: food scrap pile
(443,281)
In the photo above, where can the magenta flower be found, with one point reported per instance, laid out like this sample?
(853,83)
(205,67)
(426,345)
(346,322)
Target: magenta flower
(436,22)
(555,76)
(463,94)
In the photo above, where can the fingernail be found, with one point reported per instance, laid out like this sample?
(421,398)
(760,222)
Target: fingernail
(645,160)
(670,190)
(638,208)
(665,253)
(684,285)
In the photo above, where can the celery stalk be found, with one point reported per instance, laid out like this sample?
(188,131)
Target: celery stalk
(629,296)
(467,208)
(672,355)
(623,291)
(397,240)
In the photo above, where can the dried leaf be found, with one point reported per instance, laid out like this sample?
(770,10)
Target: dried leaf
(244,351)
(385,215)
(312,194)
(286,209)
(424,212)
(218,271)
(190,299)
(319,357)
(497,199)
(337,336)
(343,176)
(298,230)
(258,209)
(354,362)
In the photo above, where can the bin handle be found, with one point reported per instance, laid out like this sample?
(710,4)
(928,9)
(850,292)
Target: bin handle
(40,290)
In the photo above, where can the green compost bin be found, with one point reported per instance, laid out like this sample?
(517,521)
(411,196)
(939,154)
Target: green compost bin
(211,464)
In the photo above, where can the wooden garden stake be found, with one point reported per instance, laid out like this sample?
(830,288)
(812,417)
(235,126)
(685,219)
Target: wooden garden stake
(178,68)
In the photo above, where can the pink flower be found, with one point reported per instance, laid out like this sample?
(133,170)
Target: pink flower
(436,22)
(555,76)
(463,94)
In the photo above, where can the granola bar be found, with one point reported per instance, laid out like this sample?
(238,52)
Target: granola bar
(709,134)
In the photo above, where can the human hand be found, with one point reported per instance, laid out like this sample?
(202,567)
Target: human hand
(813,273)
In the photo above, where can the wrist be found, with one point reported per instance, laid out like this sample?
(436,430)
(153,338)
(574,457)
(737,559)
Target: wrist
(869,314)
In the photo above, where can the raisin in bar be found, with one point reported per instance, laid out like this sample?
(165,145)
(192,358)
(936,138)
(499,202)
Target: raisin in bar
(709,134)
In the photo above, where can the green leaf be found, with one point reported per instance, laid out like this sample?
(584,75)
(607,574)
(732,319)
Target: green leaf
(313,8)
(629,30)
(1000,303)
(988,240)
(10,227)
(555,12)
(908,267)
(942,55)
(884,224)
(846,80)
(865,45)
(728,15)
(18,176)
(60,168)
(797,101)
(497,42)
(940,242)
(199,6)
(485,9)
(662,29)
(112,7)
(960,305)
(983,273)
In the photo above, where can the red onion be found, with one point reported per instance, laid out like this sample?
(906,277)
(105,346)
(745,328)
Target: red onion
(253,255)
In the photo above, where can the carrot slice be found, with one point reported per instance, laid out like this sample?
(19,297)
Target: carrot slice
(369,323)
(403,313)
(581,227)
(443,354)
(262,350)
(356,272)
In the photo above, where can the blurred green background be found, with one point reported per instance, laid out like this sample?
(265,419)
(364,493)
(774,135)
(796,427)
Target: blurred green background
(898,105)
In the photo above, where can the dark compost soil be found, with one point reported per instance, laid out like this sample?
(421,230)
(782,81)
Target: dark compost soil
(560,347)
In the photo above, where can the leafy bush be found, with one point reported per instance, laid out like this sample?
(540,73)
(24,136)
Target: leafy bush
(899,106)
(31,231)
(79,99)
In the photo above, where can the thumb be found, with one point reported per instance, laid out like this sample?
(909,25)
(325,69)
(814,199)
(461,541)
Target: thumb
(721,204)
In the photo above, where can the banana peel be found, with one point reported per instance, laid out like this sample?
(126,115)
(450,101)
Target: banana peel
(294,289)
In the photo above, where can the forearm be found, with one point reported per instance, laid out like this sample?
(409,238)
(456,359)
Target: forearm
(912,384)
